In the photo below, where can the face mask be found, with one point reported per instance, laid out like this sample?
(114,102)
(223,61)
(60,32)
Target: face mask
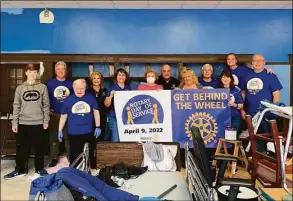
(151,80)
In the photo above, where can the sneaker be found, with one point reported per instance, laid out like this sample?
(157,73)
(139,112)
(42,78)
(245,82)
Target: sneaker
(94,172)
(14,174)
(244,134)
(41,172)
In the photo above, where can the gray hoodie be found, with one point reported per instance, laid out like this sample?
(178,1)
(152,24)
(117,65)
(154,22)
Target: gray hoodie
(31,104)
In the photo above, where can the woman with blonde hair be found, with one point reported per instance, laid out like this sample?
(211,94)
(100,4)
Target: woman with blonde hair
(151,76)
(98,90)
(189,80)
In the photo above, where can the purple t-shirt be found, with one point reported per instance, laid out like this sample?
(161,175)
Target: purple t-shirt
(58,92)
(115,87)
(213,83)
(260,86)
(239,74)
(80,119)
(235,95)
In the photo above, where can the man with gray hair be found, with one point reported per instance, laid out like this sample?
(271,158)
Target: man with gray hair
(59,88)
(207,80)
(258,85)
(81,112)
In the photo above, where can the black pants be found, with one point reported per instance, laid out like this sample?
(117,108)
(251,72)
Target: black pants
(76,144)
(103,123)
(28,134)
(56,147)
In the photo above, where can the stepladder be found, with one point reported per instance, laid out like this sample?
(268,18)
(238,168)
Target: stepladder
(238,151)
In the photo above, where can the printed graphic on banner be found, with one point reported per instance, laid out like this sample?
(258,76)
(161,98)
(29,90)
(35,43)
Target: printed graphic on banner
(142,109)
(144,115)
(205,109)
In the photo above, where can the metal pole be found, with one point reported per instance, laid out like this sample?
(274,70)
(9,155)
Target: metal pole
(257,126)
(288,138)
(283,168)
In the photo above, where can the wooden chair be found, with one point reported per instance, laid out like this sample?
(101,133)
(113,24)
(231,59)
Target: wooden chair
(266,168)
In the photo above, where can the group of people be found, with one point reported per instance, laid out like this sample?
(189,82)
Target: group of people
(89,110)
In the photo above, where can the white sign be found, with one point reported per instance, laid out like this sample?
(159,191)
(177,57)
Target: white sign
(144,115)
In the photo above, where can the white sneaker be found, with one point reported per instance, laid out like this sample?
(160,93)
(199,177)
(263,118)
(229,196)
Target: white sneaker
(244,134)
(35,176)
(95,172)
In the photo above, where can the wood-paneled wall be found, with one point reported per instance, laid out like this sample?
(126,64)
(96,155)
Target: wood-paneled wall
(291,79)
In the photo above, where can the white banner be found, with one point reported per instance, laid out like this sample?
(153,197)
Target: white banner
(144,115)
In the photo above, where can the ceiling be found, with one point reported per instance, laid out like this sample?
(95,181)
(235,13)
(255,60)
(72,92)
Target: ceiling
(134,4)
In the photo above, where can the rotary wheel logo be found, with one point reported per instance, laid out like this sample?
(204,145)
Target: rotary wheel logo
(206,124)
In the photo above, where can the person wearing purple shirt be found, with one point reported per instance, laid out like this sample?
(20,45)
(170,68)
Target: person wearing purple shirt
(236,100)
(260,85)
(166,80)
(122,84)
(239,73)
(207,80)
(59,89)
(81,111)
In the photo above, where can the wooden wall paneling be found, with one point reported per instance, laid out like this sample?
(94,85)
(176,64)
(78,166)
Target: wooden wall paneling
(291,79)
(69,70)
(123,58)
(180,68)
(116,65)
(147,67)
(112,70)
(127,68)
(49,71)
(3,89)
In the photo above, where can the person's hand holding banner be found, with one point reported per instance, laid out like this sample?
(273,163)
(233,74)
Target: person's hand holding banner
(231,103)
(112,93)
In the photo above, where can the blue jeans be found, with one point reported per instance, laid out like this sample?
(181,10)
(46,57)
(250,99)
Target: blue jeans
(107,136)
(114,129)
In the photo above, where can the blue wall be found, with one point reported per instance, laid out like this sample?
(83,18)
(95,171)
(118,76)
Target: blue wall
(94,31)
(283,73)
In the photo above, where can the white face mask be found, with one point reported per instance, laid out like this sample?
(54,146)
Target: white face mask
(151,80)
